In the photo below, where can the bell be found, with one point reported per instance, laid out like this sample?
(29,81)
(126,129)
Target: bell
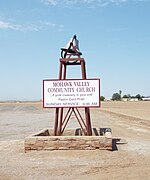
(72,47)
(74,42)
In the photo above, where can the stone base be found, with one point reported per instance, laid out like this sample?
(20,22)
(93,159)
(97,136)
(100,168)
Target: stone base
(71,139)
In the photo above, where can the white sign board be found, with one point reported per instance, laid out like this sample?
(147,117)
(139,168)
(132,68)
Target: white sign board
(71,93)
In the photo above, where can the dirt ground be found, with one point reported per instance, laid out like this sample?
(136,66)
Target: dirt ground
(130,159)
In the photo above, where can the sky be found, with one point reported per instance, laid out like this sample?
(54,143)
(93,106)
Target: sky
(114,37)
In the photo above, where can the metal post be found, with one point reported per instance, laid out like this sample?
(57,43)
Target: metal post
(56,122)
(87,110)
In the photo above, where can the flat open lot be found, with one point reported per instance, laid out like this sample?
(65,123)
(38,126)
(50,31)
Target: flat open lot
(140,109)
(129,121)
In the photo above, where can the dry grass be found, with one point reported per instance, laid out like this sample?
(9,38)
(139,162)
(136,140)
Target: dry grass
(140,109)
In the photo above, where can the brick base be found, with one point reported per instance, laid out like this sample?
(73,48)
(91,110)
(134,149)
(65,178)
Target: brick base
(70,140)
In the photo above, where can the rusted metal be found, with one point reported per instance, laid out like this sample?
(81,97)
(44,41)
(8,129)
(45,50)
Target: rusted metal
(71,59)
(56,121)
(71,56)
(83,129)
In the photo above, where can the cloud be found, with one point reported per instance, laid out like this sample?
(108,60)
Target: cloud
(48,24)
(17,27)
(5,25)
(87,3)
(50,2)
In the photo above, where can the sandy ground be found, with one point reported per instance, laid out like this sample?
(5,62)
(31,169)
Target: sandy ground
(129,121)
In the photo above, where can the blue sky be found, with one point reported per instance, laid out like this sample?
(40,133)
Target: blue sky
(114,38)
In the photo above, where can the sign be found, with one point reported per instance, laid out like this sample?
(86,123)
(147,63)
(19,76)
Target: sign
(71,93)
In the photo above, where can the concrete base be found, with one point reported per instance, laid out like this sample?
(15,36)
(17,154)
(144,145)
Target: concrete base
(71,139)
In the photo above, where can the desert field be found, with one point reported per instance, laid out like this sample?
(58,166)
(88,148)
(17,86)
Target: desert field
(130,158)
(139,110)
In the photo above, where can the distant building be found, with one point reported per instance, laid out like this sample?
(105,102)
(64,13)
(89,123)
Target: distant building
(124,99)
(129,99)
(134,99)
(146,98)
